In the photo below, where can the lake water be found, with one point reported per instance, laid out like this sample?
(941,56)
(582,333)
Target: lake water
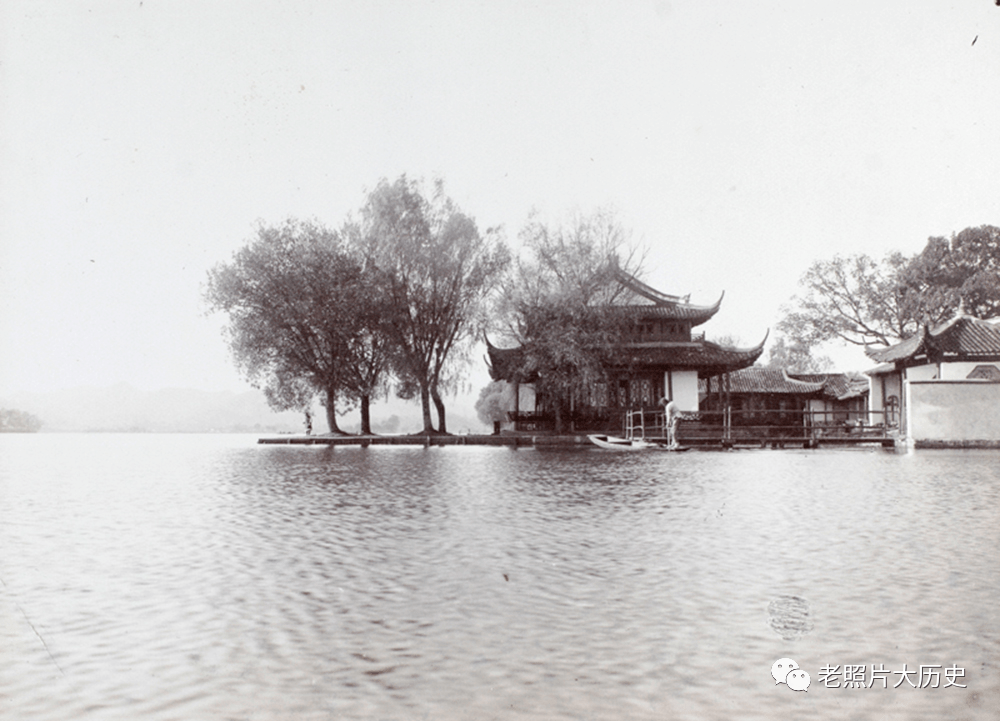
(206,577)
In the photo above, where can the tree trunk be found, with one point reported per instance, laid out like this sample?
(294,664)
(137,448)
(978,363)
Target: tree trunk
(366,421)
(439,406)
(557,409)
(425,406)
(331,411)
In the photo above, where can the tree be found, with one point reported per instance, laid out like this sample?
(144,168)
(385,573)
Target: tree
(368,344)
(728,340)
(561,305)
(493,402)
(436,271)
(295,297)
(795,356)
(15,421)
(963,270)
(861,301)
(853,299)
(368,348)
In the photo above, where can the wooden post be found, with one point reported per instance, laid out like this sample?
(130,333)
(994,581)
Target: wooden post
(727,384)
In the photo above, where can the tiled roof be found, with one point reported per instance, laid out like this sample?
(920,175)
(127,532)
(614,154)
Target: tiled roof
(880,369)
(697,314)
(967,336)
(961,338)
(838,386)
(851,388)
(635,291)
(505,364)
(770,380)
(644,301)
(707,358)
(903,349)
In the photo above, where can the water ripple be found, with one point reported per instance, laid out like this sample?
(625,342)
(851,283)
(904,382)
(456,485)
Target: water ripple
(174,577)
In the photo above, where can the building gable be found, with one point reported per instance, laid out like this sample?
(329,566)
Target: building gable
(986,373)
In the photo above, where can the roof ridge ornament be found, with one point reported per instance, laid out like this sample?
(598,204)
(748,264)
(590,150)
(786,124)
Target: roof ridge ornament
(644,289)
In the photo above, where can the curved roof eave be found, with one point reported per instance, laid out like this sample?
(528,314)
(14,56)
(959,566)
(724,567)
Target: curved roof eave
(898,351)
(755,351)
(645,290)
(707,311)
(962,336)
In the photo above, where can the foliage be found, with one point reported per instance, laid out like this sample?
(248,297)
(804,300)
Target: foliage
(561,306)
(795,356)
(368,344)
(861,301)
(493,402)
(293,296)
(728,340)
(963,270)
(15,421)
(785,353)
(286,391)
(853,299)
(436,271)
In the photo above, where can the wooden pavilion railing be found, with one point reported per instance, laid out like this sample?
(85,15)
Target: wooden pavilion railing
(729,428)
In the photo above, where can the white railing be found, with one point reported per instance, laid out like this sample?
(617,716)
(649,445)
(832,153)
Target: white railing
(642,422)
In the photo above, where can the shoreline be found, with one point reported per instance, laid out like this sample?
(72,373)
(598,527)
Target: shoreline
(574,440)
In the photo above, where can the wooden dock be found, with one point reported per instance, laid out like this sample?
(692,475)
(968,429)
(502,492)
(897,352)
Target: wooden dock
(509,440)
(702,441)
(701,435)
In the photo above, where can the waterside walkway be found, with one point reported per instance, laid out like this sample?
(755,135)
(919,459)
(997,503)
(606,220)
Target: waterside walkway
(543,440)
(516,440)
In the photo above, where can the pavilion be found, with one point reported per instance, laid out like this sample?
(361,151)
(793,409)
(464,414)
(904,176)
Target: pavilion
(661,358)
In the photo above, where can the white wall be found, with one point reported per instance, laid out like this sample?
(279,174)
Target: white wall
(953,411)
(892,387)
(685,388)
(526,398)
(525,402)
(875,396)
(960,371)
(921,373)
(817,408)
(944,371)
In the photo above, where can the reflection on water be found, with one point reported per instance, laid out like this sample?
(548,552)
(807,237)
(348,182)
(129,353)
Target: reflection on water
(204,577)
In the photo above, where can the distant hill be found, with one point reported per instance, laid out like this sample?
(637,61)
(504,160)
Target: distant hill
(15,421)
(122,408)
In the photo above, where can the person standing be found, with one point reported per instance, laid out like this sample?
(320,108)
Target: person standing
(671,415)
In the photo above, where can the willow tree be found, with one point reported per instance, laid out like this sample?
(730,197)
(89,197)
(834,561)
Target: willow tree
(368,346)
(436,271)
(295,297)
(562,303)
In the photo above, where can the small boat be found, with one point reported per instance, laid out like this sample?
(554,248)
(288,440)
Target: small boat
(614,443)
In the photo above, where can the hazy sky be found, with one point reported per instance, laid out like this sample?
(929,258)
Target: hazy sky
(739,141)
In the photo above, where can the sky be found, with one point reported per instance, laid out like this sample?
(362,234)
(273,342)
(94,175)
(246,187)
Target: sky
(141,141)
